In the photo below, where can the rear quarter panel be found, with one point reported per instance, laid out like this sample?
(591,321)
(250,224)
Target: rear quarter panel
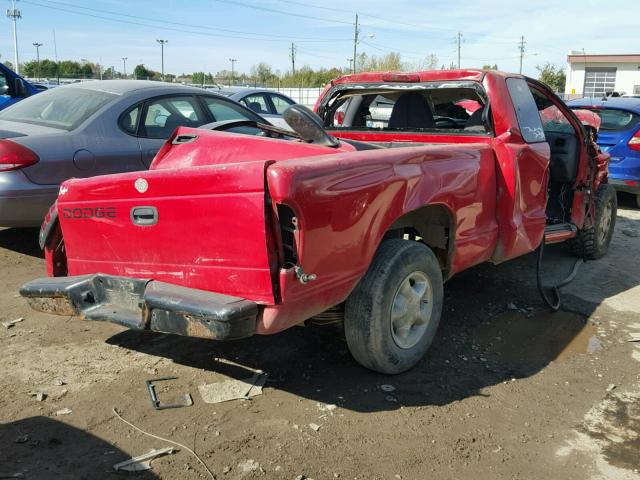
(345,203)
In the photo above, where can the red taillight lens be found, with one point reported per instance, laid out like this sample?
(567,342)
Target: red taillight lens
(634,143)
(14,156)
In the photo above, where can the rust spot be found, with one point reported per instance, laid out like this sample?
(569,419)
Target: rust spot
(53,305)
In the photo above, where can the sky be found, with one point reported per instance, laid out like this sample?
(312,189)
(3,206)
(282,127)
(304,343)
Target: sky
(204,34)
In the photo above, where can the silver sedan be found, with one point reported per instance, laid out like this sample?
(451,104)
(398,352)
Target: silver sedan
(267,103)
(92,128)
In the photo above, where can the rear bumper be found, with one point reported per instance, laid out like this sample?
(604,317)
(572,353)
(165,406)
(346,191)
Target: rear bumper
(23,203)
(625,185)
(143,304)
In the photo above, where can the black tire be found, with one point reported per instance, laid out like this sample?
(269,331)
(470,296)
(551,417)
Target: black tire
(374,339)
(592,241)
(638,200)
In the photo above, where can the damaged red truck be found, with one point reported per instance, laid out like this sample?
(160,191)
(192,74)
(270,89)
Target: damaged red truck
(399,182)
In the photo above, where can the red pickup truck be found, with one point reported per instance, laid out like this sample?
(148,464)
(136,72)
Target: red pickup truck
(397,182)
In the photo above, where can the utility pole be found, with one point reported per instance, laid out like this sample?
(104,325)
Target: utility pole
(162,42)
(233,64)
(124,66)
(521,48)
(459,41)
(15,14)
(356,32)
(37,45)
(292,56)
(350,60)
(55,52)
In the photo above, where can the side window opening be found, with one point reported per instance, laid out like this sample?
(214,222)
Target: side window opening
(129,121)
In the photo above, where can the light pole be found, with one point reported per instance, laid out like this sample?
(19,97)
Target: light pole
(162,42)
(15,14)
(37,45)
(124,66)
(233,63)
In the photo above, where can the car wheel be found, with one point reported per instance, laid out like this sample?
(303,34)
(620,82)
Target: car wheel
(638,200)
(392,315)
(592,241)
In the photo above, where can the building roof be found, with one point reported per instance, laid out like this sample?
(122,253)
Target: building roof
(604,58)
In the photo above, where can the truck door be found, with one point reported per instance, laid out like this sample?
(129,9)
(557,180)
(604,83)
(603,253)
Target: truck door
(522,176)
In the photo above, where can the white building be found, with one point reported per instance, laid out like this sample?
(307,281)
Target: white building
(595,75)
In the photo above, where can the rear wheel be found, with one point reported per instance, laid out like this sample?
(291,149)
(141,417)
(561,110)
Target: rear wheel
(592,241)
(392,315)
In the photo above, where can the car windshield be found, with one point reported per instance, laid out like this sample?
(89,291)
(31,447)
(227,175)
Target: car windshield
(412,108)
(63,108)
(615,120)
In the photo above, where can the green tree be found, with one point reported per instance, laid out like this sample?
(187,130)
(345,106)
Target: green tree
(488,66)
(142,73)
(553,76)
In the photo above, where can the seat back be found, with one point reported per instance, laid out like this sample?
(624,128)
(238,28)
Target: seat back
(411,110)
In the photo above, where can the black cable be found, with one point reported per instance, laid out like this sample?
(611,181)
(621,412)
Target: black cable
(556,303)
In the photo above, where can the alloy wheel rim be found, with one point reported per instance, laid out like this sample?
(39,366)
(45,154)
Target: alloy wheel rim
(411,310)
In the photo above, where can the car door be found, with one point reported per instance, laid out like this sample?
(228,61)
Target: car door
(161,116)
(522,177)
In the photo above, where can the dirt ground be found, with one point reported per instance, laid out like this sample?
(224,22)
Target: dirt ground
(508,391)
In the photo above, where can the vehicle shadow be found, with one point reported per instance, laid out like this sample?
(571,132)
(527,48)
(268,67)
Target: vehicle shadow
(21,240)
(494,328)
(46,449)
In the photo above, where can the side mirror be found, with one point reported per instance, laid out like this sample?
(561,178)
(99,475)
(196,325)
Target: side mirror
(308,125)
(20,88)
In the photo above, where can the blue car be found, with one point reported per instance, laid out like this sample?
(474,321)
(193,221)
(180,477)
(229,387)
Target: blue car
(13,87)
(619,136)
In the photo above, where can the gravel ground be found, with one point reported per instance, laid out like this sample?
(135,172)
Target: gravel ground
(508,391)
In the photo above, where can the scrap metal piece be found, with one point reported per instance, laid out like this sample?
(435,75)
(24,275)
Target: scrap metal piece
(142,462)
(157,404)
(233,389)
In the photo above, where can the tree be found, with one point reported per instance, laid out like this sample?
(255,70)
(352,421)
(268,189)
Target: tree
(141,72)
(262,73)
(553,76)
(488,66)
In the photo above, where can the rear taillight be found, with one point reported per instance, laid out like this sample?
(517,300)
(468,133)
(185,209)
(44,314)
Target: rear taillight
(634,143)
(14,156)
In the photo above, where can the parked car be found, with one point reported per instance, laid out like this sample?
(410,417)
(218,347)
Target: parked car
(267,103)
(92,128)
(13,87)
(227,236)
(619,135)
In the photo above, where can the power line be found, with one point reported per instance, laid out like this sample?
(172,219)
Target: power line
(68,8)
(281,12)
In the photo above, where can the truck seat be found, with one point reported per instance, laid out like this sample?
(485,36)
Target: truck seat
(411,110)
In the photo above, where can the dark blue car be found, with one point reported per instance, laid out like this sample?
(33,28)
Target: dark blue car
(13,87)
(620,136)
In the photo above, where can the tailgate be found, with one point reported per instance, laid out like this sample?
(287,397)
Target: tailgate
(200,227)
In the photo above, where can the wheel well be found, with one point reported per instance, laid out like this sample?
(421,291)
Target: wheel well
(432,225)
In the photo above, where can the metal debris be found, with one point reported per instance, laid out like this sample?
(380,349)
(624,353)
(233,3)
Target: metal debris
(11,323)
(314,426)
(142,462)
(187,401)
(64,411)
(233,389)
